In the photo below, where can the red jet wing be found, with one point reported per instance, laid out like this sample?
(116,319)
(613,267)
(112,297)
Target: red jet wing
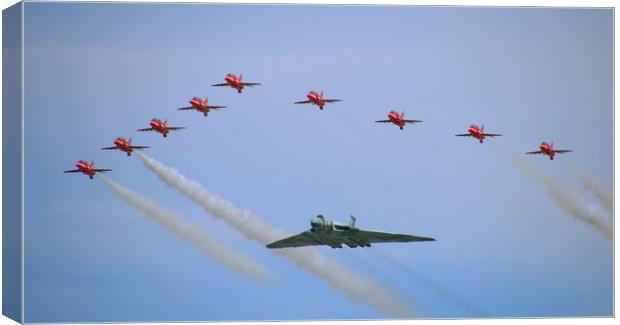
(412,121)
(72,171)
(250,84)
(109,148)
(562,151)
(221,85)
(534,152)
(491,135)
(147,129)
(463,135)
(331,100)
(303,102)
(383,121)
(174,128)
(100,170)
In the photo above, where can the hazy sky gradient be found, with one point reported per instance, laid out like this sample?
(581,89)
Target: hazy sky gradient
(97,71)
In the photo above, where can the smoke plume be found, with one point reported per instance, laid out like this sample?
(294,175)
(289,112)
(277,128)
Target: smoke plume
(353,285)
(598,189)
(177,225)
(570,201)
(474,311)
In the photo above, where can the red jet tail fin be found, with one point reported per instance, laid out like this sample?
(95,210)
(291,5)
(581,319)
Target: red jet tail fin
(240,77)
(482,127)
(129,141)
(321,95)
(92,163)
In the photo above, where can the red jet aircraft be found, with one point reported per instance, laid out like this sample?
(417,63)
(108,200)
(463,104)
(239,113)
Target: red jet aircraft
(200,105)
(478,133)
(86,168)
(547,149)
(162,127)
(236,83)
(124,145)
(317,99)
(398,119)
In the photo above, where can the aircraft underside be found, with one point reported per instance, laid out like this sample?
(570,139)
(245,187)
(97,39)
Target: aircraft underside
(336,239)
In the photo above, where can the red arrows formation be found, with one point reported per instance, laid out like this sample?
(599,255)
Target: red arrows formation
(314,98)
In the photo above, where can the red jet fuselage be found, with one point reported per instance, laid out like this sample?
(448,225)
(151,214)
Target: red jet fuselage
(160,126)
(198,103)
(547,149)
(397,119)
(123,145)
(86,168)
(234,82)
(316,99)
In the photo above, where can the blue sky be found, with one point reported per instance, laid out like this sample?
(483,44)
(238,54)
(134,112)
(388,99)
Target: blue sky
(97,71)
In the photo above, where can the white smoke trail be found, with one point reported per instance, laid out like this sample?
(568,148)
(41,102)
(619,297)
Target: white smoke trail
(568,200)
(354,285)
(473,310)
(591,184)
(192,233)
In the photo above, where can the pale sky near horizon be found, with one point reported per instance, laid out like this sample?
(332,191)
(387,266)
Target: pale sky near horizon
(97,71)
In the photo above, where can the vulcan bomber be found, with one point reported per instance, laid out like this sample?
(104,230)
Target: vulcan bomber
(334,235)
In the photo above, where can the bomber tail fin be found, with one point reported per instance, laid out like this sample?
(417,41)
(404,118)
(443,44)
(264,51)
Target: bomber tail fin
(352,222)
